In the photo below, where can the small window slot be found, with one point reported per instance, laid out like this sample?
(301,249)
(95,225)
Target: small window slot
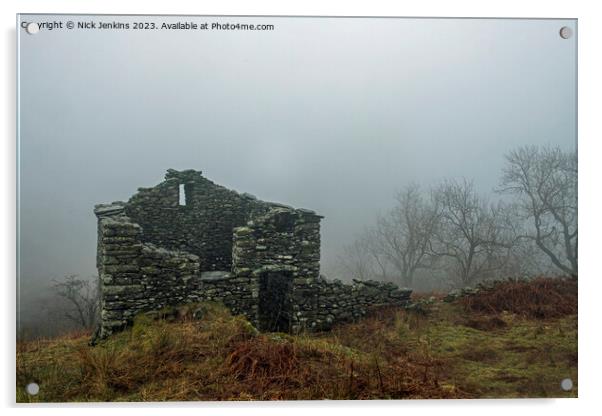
(182,195)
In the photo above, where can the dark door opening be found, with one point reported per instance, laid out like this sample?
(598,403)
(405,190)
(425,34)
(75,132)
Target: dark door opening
(275,301)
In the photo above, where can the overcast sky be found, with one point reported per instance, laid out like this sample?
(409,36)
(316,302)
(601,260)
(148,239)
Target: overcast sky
(334,115)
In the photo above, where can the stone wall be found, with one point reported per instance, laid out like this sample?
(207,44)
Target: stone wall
(260,259)
(136,276)
(281,249)
(339,302)
(202,226)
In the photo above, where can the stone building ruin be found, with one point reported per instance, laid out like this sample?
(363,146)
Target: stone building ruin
(188,239)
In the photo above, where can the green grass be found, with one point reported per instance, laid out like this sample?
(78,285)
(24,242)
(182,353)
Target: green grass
(446,353)
(527,358)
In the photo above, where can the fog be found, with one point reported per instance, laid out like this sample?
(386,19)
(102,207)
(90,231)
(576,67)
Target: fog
(329,114)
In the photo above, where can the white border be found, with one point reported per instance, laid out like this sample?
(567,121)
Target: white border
(590,68)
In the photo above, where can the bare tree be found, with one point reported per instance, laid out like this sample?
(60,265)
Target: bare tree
(545,181)
(82,300)
(356,261)
(363,259)
(376,252)
(404,234)
(471,238)
(398,245)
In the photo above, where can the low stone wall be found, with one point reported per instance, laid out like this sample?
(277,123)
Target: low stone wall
(339,302)
(238,293)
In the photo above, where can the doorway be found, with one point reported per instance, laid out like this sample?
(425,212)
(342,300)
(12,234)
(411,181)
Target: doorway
(275,307)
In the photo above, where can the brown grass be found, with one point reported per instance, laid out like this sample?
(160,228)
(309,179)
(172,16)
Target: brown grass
(540,298)
(484,322)
(416,296)
(310,368)
(222,358)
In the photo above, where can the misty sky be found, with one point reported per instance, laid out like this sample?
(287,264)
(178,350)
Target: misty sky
(334,115)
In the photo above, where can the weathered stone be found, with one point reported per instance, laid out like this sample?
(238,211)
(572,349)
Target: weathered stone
(215,276)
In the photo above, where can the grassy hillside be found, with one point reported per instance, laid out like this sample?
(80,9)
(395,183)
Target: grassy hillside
(478,346)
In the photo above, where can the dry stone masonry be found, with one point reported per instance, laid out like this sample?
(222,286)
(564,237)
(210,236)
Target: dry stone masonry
(190,240)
